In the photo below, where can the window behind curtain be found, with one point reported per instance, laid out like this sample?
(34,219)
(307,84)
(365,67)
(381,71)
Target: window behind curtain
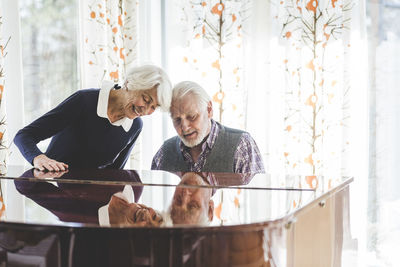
(49,58)
(49,53)
(384,72)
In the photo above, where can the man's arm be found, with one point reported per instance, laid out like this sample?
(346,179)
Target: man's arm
(248,157)
(47,126)
(123,156)
(156,163)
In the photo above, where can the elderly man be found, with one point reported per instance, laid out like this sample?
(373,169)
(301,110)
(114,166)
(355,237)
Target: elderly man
(203,144)
(192,204)
(96,128)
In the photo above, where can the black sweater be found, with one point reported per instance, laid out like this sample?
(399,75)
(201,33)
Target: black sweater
(81,138)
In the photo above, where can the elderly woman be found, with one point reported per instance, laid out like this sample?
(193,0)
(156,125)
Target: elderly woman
(96,128)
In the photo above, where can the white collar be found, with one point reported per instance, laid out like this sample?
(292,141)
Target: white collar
(102,106)
(127,195)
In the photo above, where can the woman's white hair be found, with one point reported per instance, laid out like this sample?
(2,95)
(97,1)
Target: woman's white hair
(146,77)
(188,87)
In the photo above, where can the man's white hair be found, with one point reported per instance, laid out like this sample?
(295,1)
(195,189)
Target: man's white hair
(188,87)
(146,77)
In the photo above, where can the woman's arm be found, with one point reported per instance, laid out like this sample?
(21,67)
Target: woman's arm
(45,127)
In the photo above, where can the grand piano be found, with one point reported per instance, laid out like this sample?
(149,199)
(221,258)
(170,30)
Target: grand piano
(156,218)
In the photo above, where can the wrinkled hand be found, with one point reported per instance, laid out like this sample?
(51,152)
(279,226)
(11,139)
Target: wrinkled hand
(42,162)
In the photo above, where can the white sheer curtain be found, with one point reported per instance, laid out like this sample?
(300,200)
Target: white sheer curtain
(293,74)
(3,138)
(299,91)
(307,88)
(383,194)
(12,99)
(205,40)
(3,144)
(108,40)
(13,92)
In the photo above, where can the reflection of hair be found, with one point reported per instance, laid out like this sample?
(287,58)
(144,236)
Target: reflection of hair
(197,176)
(146,77)
(188,87)
(180,216)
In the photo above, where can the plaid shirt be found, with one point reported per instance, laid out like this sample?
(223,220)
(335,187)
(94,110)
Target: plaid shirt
(247,157)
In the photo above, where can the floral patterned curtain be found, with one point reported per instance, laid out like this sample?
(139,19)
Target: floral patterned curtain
(212,53)
(109,42)
(108,38)
(3,145)
(289,72)
(314,86)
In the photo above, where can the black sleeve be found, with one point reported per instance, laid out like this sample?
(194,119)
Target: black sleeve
(48,125)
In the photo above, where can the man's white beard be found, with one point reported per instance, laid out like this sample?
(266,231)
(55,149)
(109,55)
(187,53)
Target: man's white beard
(200,136)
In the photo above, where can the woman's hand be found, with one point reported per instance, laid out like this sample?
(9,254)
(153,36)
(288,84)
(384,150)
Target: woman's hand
(42,162)
(46,174)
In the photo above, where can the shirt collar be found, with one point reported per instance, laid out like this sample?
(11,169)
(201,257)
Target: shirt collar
(213,134)
(102,106)
(127,195)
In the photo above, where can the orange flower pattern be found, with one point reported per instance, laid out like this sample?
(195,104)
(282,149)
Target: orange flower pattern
(218,9)
(214,54)
(228,204)
(218,210)
(3,145)
(111,40)
(216,65)
(3,207)
(312,181)
(218,97)
(312,5)
(313,35)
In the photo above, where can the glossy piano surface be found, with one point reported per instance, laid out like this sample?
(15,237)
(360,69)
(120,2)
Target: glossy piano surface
(176,217)
(147,177)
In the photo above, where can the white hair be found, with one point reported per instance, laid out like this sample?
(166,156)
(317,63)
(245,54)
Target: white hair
(187,87)
(195,180)
(146,77)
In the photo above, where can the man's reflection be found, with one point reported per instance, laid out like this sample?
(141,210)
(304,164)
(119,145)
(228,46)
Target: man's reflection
(192,205)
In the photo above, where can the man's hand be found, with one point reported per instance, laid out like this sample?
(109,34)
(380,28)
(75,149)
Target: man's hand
(42,162)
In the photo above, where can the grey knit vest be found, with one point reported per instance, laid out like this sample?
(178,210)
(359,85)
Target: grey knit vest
(220,159)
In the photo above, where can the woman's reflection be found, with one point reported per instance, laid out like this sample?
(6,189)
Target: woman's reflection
(122,211)
(83,203)
(191,204)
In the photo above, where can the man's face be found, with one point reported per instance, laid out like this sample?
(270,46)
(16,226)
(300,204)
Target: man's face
(191,205)
(141,103)
(191,122)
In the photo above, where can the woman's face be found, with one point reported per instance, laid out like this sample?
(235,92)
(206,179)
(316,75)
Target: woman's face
(123,213)
(141,103)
